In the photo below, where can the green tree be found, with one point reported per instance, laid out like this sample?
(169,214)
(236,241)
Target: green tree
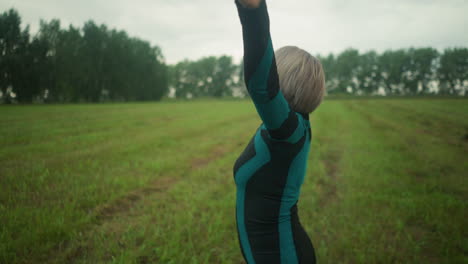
(453,71)
(32,82)
(393,65)
(346,68)
(368,73)
(69,69)
(49,33)
(13,47)
(223,77)
(329,66)
(423,68)
(209,76)
(182,80)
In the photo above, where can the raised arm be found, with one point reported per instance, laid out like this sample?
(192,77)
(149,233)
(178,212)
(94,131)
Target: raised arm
(261,76)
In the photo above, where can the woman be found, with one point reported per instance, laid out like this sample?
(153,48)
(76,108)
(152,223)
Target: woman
(285,89)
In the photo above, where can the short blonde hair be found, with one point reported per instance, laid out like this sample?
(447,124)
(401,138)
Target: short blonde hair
(301,78)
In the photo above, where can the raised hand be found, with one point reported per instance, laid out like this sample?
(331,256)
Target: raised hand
(251,3)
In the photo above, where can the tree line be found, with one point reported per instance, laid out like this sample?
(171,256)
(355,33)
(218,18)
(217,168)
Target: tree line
(95,64)
(414,71)
(88,64)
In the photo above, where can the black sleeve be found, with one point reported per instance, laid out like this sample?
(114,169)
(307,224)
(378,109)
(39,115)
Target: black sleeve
(261,76)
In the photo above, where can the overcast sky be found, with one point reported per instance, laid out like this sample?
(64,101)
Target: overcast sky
(196,28)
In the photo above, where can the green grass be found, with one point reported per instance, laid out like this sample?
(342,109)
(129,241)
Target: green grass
(152,183)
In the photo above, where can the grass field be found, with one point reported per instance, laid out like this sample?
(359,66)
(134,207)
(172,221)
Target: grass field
(152,183)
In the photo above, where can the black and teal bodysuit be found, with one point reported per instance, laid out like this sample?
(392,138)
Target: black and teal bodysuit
(270,171)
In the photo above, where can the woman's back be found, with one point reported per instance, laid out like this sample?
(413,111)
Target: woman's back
(269,174)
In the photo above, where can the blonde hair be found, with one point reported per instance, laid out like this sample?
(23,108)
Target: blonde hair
(301,77)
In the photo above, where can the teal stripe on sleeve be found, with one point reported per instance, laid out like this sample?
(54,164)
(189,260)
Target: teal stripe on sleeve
(274,112)
(258,82)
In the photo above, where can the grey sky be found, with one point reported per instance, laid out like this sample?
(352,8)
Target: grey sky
(196,28)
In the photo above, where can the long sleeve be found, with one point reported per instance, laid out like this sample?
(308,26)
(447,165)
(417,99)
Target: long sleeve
(261,76)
